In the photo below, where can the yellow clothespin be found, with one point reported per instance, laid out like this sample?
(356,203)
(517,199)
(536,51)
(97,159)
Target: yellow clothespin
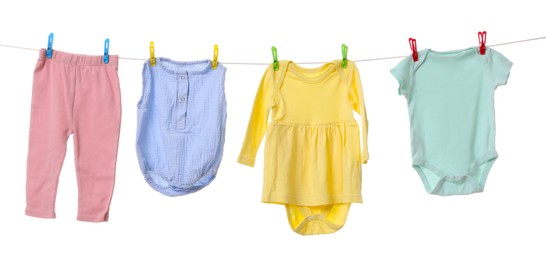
(215,57)
(152,54)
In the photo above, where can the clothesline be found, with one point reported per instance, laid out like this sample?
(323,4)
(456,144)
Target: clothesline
(309,62)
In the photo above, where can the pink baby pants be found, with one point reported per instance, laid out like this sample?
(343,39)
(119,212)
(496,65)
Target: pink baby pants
(79,95)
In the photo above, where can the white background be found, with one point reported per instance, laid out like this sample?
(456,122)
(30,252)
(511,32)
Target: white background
(398,219)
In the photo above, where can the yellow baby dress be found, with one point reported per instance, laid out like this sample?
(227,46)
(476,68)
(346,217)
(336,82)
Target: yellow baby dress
(312,150)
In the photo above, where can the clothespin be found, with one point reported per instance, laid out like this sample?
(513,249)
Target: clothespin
(413,46)
(344,50)
(49,51)
(275,60)
(152,54)
(482,36)
(215,57)
(106,49)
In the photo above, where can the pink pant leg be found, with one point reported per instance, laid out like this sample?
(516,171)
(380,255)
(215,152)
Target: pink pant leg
(97,117)
(50,126)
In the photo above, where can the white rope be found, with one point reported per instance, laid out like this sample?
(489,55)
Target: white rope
(520,41)
(18,47)
(309,62)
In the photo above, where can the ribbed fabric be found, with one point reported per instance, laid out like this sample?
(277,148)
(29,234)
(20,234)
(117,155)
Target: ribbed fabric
(181,125)
(78,95)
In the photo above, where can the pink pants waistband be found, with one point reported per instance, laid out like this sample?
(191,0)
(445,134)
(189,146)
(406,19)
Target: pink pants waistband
(79,59)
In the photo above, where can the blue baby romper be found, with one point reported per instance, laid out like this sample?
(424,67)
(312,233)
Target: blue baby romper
(181,125)
(452,116)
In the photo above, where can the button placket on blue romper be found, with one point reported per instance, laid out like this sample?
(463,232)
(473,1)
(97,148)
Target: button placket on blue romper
(182,101)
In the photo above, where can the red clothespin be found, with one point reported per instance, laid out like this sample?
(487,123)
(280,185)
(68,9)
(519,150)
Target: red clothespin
(482,36)
(413,46)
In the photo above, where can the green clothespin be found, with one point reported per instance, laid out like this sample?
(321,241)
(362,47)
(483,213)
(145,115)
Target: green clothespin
(275,60)
(344,50)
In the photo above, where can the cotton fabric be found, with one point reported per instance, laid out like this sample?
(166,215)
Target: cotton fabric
(181,125)
(76,95)
(450,98)
(312,152)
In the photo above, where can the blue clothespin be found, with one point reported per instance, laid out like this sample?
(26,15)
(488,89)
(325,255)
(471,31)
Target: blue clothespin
(106,49)
(49,51)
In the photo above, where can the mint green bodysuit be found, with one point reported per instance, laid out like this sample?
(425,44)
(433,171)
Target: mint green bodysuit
(452,117)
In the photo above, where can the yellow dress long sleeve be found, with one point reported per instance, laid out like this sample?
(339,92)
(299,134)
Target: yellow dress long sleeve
(313,153)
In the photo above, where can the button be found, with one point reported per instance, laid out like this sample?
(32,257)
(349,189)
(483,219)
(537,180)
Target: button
(183,77)
(182,99)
